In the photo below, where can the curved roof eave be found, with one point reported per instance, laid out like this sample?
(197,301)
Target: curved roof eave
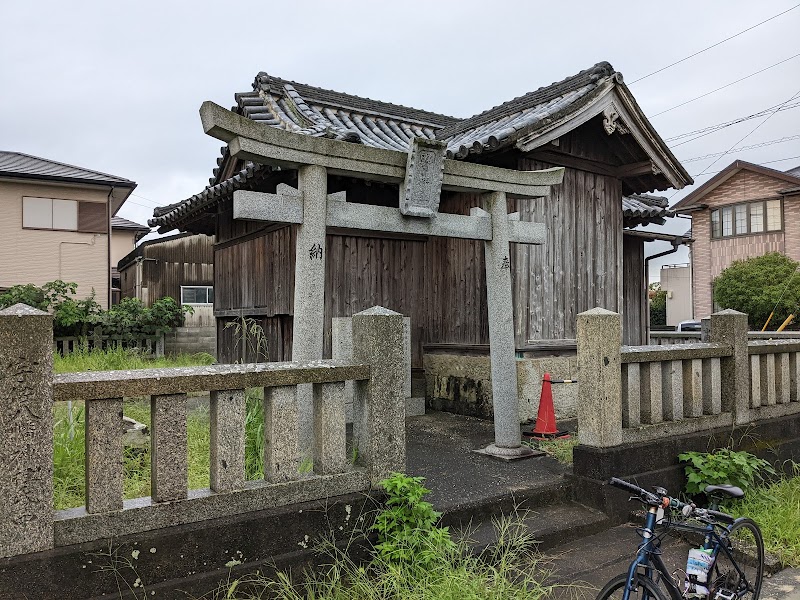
(615,98)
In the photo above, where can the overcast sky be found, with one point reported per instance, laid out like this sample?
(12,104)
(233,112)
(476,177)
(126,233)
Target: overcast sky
(116,86)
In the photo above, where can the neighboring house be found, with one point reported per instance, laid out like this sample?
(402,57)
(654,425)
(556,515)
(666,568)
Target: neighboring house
(179,267)
(588,123)
(676,281)
(55,223)
(124,236)
(745,210)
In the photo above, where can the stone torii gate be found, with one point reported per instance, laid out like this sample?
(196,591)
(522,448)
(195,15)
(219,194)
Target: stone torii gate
(421,174)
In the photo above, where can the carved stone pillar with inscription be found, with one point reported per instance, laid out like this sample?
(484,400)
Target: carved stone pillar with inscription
(309,289)
(26,426)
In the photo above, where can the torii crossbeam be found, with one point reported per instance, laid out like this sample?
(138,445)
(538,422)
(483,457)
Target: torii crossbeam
(421,174)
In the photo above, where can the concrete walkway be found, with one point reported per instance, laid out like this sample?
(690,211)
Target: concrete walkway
(439,447)
(589,563)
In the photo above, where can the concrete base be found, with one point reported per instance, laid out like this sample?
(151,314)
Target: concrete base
(508,454)
(189,560)
(656,462)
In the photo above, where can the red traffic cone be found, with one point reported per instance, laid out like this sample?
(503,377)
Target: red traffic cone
(545,428)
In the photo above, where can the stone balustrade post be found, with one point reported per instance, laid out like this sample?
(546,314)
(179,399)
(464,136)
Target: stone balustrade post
(26,426)
(600,375)
(730,327)
(379,403)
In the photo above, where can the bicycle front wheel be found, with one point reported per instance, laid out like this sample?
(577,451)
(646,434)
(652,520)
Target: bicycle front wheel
(745,551)
(643,589)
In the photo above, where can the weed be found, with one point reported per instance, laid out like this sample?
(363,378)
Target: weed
(560,449)
(776,509)
(723,466)
(249,334)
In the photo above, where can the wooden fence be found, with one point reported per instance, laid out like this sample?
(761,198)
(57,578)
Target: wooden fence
(633,394)
(28,389)
(150,344)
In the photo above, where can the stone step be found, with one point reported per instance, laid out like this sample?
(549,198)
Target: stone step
(460,511)
(549,525)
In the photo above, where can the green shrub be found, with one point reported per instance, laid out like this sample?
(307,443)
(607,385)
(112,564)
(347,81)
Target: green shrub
(741,469)
(757,285)
(407,530)
(75,317)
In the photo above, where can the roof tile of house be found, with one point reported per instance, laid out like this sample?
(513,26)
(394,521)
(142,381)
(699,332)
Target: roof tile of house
(18,164)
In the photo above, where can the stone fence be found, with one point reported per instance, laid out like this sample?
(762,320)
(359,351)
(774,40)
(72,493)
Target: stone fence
(632,394)
(692,337)
(28,390)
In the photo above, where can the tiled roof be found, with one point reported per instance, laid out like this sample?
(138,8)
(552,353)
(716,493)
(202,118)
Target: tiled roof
(314,111)
(638,209)
(17,164)
(501,125)
(243,180)
(120,223)
(795,171)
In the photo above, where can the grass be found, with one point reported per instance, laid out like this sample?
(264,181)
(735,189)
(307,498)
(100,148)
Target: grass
(511,570)
(69,434)
(560,449)
(776,509)
(116,359)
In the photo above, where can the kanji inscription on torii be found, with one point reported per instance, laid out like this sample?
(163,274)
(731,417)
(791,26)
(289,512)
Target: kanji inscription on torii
(421,174)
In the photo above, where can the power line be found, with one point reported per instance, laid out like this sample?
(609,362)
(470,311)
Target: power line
(713,45)
(726,85)
(698,133)
(143,198)
(766,162)
(752,131)
(743,148)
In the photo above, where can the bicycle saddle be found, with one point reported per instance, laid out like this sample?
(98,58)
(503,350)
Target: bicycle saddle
(726,489)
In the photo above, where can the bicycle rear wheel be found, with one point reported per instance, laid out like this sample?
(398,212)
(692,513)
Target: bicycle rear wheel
(746,548)
(643,589)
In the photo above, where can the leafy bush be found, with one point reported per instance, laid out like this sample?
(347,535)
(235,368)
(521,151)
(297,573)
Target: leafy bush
(754,286)
(79,317)
(658,306)
(741,469)
(71,316)
(131,318)
(407,530)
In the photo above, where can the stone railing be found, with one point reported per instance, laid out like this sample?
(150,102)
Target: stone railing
(28,389)
(692,337)
(774,377)
(632,394)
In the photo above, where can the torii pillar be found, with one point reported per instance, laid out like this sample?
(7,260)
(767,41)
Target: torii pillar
(422,174)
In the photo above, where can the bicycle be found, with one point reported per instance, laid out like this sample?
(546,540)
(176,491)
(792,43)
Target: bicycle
(736,551)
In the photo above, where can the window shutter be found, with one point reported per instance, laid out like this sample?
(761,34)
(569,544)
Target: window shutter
(92,217)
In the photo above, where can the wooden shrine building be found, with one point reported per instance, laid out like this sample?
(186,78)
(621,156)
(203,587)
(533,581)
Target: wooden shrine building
(589,123)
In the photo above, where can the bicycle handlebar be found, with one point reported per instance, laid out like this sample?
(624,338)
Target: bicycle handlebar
(666,502)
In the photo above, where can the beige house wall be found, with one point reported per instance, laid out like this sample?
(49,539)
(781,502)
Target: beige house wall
(711,257)
(38,256)
(677,282)
(122,243)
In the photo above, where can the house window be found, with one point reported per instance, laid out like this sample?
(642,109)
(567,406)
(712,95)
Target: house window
(757,217)
(716,230)
(773,215)
(747,218)
(64,215)
(727,221)
(197,294)
(741,219)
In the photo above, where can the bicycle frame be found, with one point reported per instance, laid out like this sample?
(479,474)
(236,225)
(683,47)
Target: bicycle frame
(648,558)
